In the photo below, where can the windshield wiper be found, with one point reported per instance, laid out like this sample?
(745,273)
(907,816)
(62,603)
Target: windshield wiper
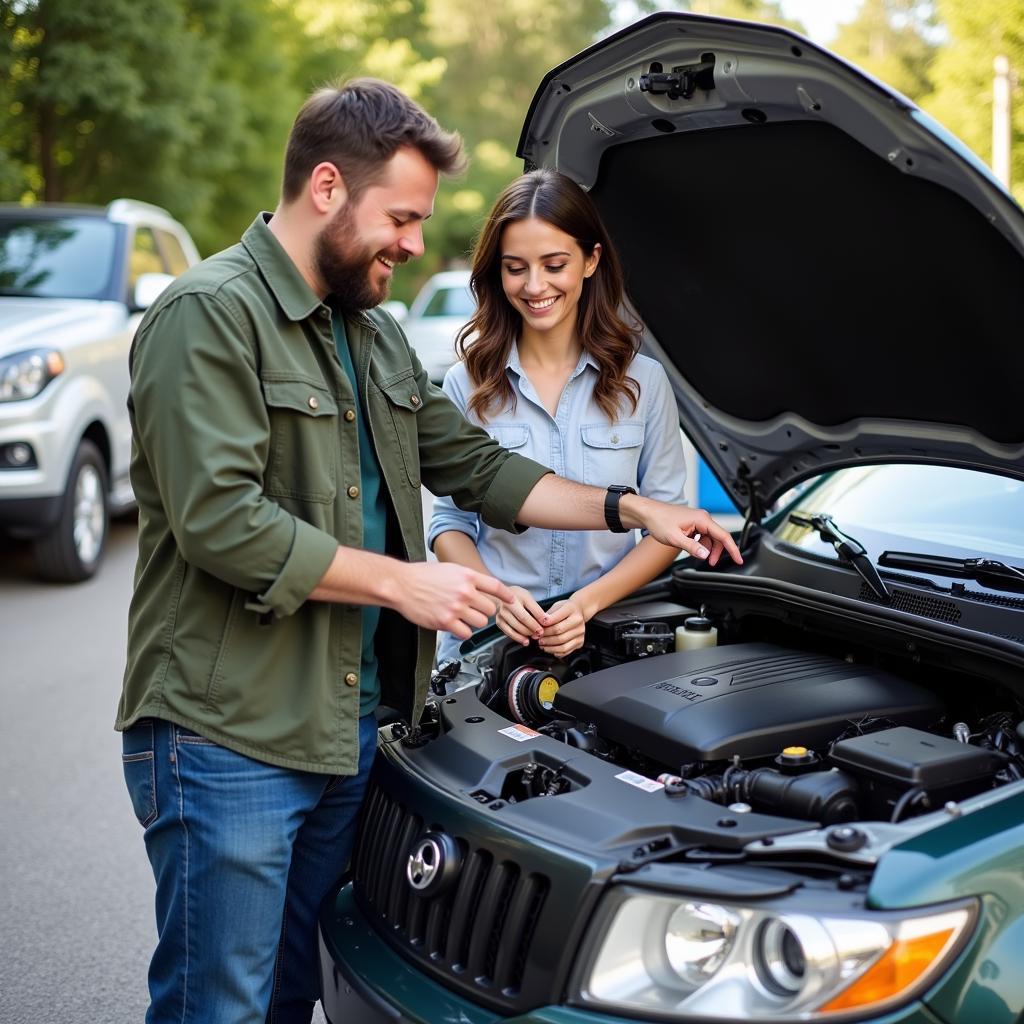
(986,571)
(848,549)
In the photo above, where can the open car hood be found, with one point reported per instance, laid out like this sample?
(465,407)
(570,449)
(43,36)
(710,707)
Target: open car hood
(828,276)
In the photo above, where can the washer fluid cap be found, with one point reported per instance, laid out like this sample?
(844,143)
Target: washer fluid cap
(697,623)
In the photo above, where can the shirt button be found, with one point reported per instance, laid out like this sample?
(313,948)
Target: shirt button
(314,402)
(615,438)
(325,313)
(415,399)
(349,415)
(353,492)
(351,679)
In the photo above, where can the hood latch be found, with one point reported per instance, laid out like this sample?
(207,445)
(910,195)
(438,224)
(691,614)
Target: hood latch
(681,82)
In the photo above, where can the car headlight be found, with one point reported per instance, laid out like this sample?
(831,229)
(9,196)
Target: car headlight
(24,374)
(678,958)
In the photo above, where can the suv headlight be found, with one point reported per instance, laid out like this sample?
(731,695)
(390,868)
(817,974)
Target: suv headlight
(24,374)
(678,958)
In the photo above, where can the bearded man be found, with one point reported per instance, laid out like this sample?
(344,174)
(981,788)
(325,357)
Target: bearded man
(282,428)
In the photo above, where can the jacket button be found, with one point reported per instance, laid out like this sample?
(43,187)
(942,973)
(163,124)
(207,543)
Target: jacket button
(353,491)
(615,438)
(351,679)
(415,399)
(314,402)
(349,415)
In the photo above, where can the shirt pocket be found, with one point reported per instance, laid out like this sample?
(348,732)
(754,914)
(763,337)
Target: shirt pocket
(404,402)
(509,435)
(611,453)
(303,440)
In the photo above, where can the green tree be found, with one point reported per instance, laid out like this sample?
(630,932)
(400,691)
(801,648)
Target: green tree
(978,32)
(894,40)
(170,101)
(474,70)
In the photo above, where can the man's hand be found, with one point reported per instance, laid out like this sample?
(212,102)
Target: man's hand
(443,595)
(559,504)
(521,618)
(690,529)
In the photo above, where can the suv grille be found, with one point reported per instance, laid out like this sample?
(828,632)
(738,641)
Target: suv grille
(476,932)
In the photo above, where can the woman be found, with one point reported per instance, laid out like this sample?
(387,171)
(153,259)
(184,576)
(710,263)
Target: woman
(552,371)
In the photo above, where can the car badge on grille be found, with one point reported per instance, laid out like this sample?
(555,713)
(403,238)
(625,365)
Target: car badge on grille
(433,862)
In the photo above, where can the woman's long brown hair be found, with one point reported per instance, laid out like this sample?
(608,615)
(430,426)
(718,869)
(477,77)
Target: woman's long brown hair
(485,342)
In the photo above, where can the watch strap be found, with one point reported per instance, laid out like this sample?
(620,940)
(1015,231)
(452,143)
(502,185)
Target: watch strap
(612,497)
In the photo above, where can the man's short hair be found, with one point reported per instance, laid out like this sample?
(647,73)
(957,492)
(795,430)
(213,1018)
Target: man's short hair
(358,126)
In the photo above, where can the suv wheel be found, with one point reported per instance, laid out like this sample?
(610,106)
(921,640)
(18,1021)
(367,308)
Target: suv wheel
(74,548)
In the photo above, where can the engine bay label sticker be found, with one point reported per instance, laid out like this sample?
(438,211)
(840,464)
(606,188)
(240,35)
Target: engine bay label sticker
(520,733)
(641,782)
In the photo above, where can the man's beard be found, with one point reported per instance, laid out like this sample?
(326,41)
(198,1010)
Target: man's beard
(344,264)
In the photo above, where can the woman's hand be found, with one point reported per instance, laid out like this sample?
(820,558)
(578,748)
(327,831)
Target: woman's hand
(522,618)
(565,629)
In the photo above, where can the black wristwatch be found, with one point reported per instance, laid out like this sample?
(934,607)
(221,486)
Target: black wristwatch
(611,507)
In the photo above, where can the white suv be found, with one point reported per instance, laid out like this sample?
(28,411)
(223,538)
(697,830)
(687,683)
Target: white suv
(74,281)
(439,311)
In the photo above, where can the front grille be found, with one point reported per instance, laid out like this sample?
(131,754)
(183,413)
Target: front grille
(476,933)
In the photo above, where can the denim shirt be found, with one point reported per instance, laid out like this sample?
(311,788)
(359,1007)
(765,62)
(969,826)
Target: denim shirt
(641,449)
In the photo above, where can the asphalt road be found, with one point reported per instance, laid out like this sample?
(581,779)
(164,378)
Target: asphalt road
(76,918)
(76,892)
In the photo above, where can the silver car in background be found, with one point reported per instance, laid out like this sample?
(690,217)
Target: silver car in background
(74,282)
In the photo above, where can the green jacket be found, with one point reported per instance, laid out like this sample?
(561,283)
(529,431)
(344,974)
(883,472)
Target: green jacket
(246,470)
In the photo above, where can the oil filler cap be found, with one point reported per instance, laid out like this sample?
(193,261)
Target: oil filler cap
(796,759)
(846,839)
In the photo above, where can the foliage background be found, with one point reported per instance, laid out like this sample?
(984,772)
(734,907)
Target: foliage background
(187,103)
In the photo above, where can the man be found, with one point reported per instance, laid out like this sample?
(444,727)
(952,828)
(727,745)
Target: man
(282,428)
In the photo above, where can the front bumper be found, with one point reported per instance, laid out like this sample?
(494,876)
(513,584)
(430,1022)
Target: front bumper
(364,981)
(35,422)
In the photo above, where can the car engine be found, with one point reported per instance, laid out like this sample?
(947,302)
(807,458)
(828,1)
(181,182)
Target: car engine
(752,725)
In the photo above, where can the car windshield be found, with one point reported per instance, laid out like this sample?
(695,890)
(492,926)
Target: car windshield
(56,258)
(930,509)
(450,302)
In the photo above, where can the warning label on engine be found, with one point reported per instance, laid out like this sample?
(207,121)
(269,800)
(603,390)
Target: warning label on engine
(640,781)
(520,733)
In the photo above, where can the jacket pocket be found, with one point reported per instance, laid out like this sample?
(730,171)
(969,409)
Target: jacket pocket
(303,440)
(404,402)
(611,453)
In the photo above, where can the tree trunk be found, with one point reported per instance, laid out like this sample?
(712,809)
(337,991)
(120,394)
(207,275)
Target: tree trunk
(47,160)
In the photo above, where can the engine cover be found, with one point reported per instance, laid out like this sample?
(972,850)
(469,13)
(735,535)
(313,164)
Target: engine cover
(746,699)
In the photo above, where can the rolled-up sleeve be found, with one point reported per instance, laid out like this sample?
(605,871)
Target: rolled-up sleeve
(661,472)
(202,426)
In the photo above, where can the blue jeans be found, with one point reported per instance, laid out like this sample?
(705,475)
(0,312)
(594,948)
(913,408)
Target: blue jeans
(243,854)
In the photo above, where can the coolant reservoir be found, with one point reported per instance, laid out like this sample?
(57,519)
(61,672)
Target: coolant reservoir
(694,633)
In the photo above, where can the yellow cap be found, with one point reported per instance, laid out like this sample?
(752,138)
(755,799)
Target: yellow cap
(794,751)
(546,690)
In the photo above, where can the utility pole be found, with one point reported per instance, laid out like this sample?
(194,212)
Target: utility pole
(1001,120)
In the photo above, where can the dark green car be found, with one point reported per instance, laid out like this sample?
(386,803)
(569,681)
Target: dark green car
(790,790)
